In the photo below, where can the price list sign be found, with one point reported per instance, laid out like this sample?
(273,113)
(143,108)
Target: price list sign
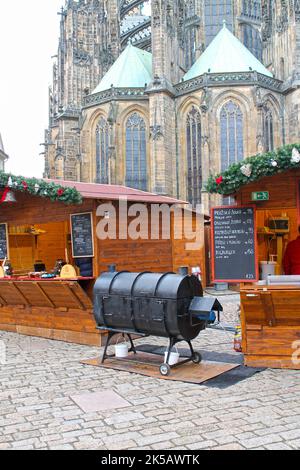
(82,235)
(234,248)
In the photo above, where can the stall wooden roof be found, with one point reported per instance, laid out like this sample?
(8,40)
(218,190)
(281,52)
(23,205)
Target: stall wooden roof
(114,192)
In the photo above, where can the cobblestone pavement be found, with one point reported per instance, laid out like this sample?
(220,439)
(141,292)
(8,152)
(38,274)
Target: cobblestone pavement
(40,376)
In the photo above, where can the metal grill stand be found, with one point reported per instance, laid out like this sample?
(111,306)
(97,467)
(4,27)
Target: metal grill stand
(165,368)
(165,305)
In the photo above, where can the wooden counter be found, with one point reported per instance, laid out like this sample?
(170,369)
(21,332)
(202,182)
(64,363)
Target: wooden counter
(271,326)
(57,309)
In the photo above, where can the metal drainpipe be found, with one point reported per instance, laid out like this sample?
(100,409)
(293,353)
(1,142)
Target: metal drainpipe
(283,122)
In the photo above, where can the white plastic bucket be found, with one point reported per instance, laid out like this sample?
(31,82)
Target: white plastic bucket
(173,359)
(121,350)
(267,269)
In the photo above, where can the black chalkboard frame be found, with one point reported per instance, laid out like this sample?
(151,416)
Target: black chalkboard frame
(7,240)
(92,232)
(248,281)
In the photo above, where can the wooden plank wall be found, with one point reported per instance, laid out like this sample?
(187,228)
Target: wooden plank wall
(30,210)
(189,257)
(151,255)
(22,252)
(135,255)
(51,246)
(282,189)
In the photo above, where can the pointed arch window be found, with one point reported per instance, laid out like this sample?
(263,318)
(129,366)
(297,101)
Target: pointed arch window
(232,134)
(268,129)
(252,10)
(102,152)
(194,156)
(215,12)
(190,34)
(190,47)
(136,152)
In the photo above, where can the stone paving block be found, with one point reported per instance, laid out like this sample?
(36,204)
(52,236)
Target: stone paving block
(62,447)
(124,445)
(5,446)
(119,438)
(204,445)
(100,401)
(259,413)
(157,438)
(255,442)
(184,440)
(124,417)
(278,446)
(166,445)
(291,435)
(232,446)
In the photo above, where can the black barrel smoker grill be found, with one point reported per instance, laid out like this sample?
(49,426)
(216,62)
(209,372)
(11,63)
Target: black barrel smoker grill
(149,304)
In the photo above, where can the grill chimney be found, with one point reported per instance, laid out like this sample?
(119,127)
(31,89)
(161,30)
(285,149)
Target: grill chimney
(183,271)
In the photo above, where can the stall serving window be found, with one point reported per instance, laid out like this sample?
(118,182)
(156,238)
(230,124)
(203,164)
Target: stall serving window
(42,250)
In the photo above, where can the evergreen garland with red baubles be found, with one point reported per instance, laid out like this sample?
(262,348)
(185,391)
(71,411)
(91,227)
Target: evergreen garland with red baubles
(253,169)
(36,187)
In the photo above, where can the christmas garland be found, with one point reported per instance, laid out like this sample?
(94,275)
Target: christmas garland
(37,187)
(253,169)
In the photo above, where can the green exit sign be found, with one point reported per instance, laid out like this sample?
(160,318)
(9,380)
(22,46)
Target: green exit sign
(261,196)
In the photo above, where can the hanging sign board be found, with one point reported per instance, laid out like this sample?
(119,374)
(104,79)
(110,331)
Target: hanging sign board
(234,245)
(4,247)
(82,235)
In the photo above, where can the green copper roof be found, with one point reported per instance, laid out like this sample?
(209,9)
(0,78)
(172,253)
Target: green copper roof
(133,69)
(226,54)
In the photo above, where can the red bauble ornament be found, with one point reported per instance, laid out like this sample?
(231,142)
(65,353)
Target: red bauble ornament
(219,180)
(60,192)
(25,185)
(7,196)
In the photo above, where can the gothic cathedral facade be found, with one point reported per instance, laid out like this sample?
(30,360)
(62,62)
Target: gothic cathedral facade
(157,95)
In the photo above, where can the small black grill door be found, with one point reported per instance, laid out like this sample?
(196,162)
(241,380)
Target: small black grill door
(117,312)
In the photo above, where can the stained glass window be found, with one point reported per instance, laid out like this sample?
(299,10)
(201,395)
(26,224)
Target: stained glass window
(190,55)
(102,152)
(136,153)
(232,134)
(194,156)
(268,129)
(216,11)
(252,12)
(190,34)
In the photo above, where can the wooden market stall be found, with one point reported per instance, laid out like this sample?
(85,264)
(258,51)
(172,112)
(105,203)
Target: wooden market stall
(39,296)
(271,313)
(269,186)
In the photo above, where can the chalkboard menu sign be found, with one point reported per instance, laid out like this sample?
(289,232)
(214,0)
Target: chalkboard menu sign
(234,249)
(4,252)
(82,235)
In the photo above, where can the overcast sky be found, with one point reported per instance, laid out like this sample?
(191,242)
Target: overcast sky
(28,38)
